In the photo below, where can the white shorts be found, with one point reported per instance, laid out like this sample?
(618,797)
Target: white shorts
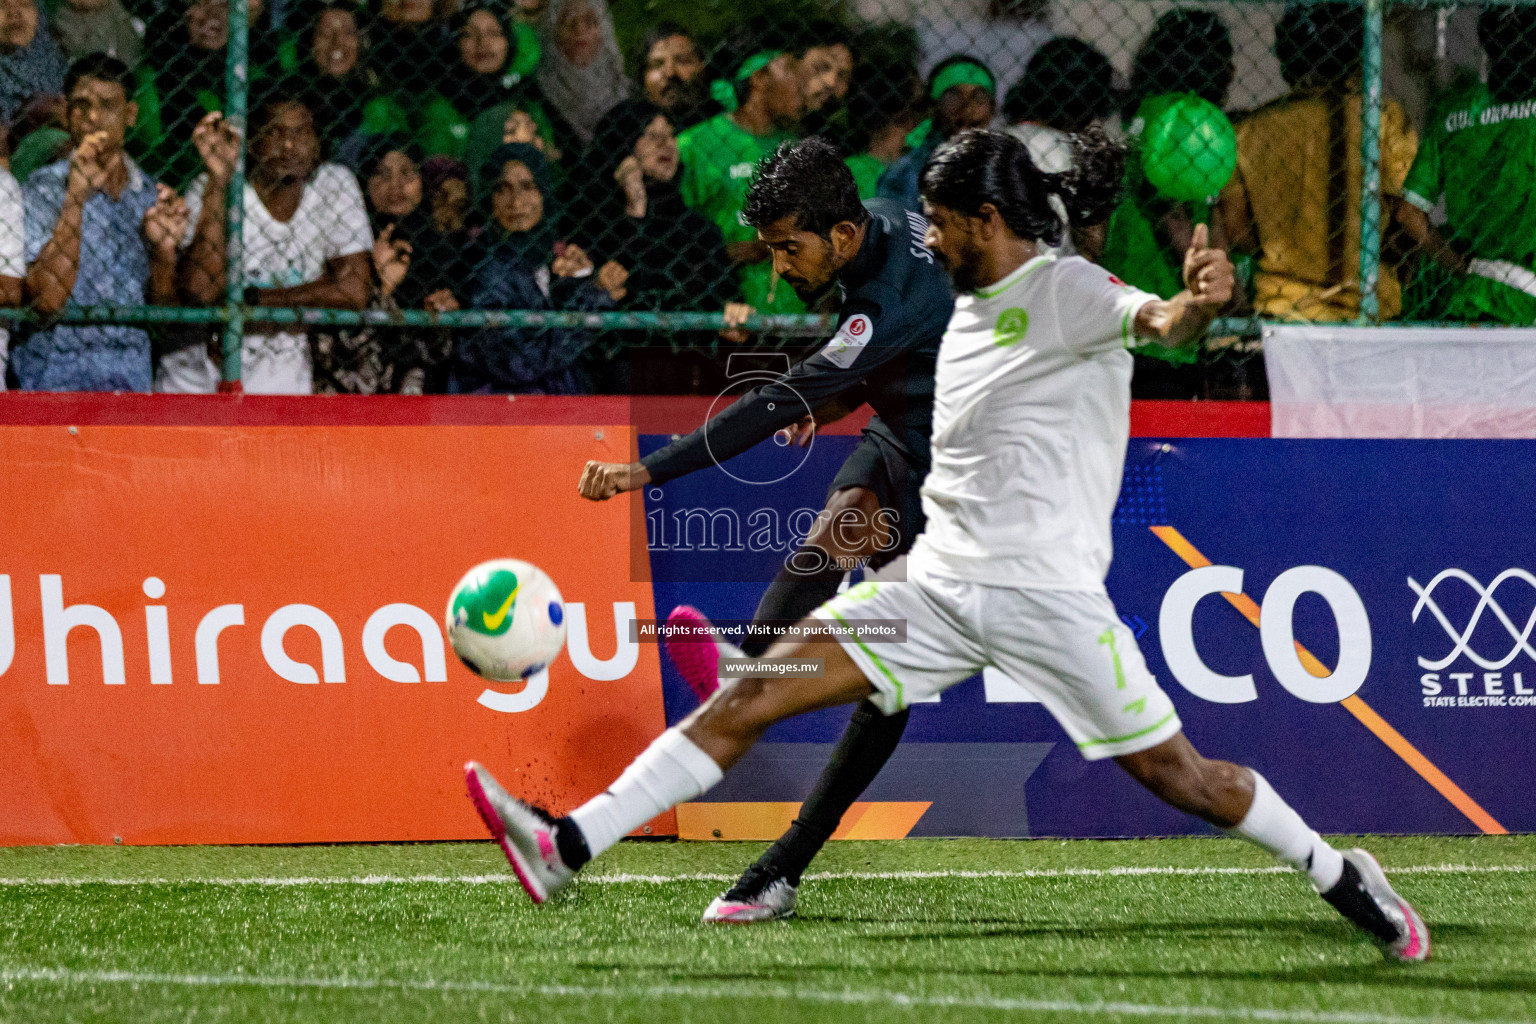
(1067,647)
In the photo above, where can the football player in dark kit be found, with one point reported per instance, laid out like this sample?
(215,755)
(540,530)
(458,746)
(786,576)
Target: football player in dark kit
(895,305)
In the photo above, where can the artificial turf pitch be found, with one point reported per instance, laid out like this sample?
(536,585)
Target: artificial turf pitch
(921,930)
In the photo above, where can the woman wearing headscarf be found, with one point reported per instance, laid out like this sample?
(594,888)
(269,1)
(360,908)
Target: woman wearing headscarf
(484,75)
(30,61)
(626,207)
(387,360)
(444,235)
(581,71)
(336,79)
(524,265)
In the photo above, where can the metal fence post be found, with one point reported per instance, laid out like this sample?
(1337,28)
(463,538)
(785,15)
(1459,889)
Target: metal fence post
(1370,162)
(234,198)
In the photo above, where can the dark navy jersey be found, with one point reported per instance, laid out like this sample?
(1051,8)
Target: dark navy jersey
(896,303)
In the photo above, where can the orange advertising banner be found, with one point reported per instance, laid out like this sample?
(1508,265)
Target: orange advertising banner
(234,634)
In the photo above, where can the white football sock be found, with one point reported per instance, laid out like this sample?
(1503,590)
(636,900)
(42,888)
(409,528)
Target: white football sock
(670,771)
(1274,825)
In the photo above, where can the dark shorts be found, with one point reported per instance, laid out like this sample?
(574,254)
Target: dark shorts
(883,468)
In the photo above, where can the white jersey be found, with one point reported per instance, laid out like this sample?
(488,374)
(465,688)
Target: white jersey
(1031,416)
(330,222)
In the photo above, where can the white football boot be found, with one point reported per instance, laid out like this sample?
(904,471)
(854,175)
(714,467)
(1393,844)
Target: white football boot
(525,834)
(771,902)
(1408,938)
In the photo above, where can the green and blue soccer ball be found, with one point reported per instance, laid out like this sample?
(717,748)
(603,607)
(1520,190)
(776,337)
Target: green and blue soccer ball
(506,619)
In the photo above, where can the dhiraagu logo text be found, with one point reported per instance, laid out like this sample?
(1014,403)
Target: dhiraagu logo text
(1012,325)
(487,606)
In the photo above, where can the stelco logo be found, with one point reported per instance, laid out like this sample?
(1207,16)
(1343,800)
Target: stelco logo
(1495,688)
(58,619)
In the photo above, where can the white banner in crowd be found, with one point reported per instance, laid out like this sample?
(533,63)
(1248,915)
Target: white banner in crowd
(1327,381)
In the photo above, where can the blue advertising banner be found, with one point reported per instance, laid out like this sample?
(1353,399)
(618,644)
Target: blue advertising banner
(1352,618)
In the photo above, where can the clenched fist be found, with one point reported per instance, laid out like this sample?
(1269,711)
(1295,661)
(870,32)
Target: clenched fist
(602,480)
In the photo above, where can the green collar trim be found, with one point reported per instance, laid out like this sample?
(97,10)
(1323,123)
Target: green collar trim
(1018,274)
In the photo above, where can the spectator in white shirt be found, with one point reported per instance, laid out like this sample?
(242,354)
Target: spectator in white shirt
(13,267)
(307,243)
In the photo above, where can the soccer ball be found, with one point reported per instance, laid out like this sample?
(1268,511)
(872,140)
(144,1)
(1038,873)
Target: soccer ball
(506,619)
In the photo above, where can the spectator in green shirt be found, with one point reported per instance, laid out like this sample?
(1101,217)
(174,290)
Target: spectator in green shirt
(1479,156)
(762,93)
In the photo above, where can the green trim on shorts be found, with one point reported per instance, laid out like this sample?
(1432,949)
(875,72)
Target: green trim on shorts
(1129,736)
(900,692)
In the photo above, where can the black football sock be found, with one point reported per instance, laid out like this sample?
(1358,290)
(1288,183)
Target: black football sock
(867,743)
(1349,898)
(793,595)
(571,844)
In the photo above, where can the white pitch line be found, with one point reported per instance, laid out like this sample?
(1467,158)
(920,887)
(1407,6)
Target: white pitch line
(846,997)
(824,876)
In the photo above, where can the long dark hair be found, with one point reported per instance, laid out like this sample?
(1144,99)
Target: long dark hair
(981,166)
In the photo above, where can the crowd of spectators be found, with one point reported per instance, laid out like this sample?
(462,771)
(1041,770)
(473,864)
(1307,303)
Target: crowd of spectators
(501,154)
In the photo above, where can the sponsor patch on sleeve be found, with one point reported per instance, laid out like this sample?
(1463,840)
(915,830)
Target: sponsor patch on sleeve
(849,341)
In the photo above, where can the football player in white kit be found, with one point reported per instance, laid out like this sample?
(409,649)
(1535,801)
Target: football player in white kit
(1030,426)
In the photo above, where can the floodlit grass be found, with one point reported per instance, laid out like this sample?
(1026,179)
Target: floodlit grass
(1037,930)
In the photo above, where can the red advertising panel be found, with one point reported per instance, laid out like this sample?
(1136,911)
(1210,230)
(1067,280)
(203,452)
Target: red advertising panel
(233,634)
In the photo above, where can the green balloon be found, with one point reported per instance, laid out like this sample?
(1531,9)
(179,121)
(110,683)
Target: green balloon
(1188,147)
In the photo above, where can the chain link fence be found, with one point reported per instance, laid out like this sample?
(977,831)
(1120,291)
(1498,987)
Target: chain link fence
(543,195)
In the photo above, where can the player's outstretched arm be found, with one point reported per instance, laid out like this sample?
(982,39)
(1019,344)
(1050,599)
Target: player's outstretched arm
(1208,285)
(602,480)
(867,340)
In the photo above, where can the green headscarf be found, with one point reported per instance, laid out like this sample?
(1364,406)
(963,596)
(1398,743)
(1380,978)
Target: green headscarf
(723,91)
(963,72)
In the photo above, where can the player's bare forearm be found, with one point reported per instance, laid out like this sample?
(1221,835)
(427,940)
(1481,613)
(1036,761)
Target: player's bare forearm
(602,480)
(1177,322)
